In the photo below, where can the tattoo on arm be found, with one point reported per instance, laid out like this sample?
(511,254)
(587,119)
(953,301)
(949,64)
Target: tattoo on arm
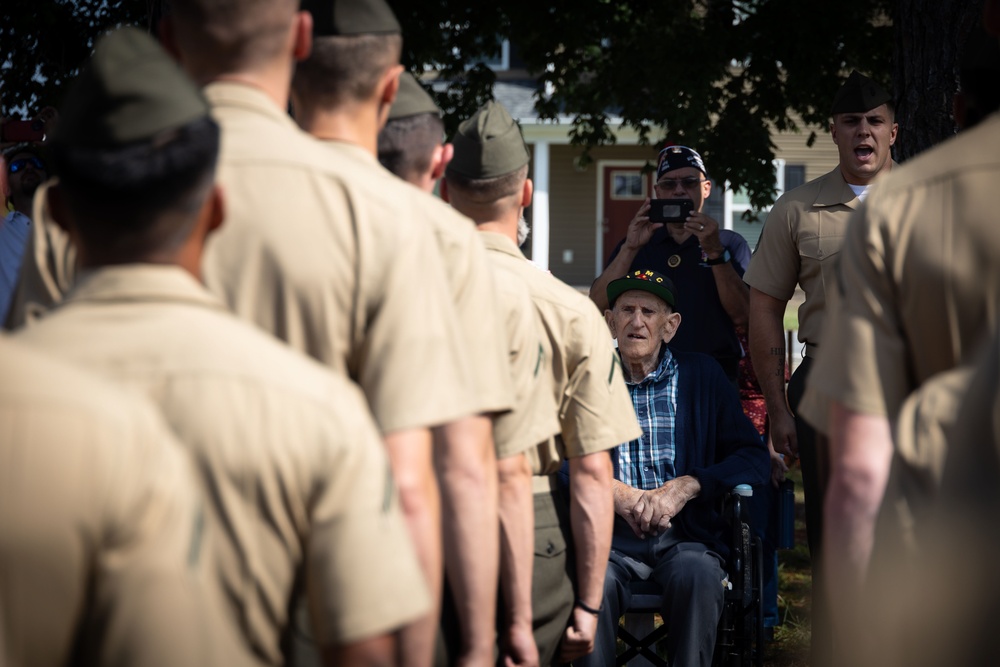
(779,366)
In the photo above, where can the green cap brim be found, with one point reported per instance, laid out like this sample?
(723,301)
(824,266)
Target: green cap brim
(652,282)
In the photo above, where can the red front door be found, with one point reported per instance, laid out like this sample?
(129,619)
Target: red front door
(625,188)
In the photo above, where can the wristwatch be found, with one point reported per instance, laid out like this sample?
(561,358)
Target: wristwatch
(721,259)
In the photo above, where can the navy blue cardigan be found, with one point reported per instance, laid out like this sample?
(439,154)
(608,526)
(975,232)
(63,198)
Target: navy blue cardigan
(716,443)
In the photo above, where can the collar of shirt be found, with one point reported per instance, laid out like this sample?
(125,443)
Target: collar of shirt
(142,283)
(500,243)
(664,370)
(222,94)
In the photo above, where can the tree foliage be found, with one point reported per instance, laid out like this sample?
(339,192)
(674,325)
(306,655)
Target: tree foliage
(716,74)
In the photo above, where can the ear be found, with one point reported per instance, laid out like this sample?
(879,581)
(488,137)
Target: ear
(443,190)
(833,131)
(706,188)
(390,85)
(609,318)
(673,322)
(216,208)
(892,137)
(526,192)
(302,29)
(439,162)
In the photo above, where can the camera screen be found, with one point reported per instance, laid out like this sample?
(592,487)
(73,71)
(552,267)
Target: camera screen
(671,211)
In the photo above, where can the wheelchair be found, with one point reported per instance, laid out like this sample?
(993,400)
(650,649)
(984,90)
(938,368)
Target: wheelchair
(740,638)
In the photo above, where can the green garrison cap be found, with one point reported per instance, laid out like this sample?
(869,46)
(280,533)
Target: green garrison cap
(858,94)
(130,90)
(645,280)
(351,17)
(412,99)
(487,145)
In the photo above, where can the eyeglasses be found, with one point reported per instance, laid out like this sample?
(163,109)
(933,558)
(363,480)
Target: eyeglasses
(687,183)
(20,163)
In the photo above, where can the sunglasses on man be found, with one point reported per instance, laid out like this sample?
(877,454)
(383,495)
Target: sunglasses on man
(687,183)
(22,162)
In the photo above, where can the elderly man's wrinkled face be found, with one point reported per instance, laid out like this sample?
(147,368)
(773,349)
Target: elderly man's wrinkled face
(642,322)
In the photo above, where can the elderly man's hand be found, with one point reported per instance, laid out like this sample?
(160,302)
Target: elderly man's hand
(640,229)
(656,508)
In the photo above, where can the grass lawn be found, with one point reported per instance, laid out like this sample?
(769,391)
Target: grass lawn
(791,639)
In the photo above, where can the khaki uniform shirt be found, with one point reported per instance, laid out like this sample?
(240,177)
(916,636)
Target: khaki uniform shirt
(472,286)
(102,552)
(799,244)
(534,419)
(317,254)
(920,279)
(595,410)
(287,452)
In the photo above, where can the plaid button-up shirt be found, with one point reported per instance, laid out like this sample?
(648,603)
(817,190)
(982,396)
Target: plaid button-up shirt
(648,462)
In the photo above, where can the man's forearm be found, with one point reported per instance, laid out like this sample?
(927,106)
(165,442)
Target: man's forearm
(733,293)
(410,453)
(767,347)
(592,519)
(860,457)
(618,267)
(517,538)
(465,461)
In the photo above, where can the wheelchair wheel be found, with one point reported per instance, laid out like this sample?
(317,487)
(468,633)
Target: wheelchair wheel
(758,603)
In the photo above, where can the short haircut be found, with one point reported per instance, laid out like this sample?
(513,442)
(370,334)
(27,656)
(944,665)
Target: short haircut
(232,35)
(345,68)
(406,145)
(485,191)
(141,197)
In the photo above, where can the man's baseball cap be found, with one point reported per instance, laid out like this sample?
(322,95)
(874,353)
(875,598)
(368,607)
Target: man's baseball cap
(648,281)
(130,91)
(332,18)
(412,99)
(678,157)
(488,145)
(858,94)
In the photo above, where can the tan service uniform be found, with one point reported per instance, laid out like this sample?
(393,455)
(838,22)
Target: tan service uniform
(920,271)
(919,287)
(595,415)
(286,450)
(798,245)
(319,256)
(472,287)
(102,552)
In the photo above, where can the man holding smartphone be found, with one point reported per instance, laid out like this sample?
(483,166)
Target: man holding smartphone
(705,262)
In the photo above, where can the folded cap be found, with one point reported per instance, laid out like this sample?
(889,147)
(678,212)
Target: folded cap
(858,94)
(351,17)
(648,281)
(487,145)
(678,157)
(129,91)
(412,99)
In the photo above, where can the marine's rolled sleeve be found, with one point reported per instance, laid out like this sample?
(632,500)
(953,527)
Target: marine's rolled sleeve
(775,263)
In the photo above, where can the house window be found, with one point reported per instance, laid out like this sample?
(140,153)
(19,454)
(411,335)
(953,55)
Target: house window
(628,185)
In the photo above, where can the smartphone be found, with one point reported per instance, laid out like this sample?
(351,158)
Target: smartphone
(22,131)
(675,211)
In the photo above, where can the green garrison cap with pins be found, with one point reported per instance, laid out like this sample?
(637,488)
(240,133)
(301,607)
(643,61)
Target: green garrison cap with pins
(489,144)
(412,99)
(131,90)
(858,94)
(351,17)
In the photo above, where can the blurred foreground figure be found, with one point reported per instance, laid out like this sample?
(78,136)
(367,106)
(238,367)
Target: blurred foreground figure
(298,484)
(103,556)
(919,289)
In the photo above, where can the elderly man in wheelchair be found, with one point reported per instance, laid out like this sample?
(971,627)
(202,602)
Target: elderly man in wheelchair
(696,446)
